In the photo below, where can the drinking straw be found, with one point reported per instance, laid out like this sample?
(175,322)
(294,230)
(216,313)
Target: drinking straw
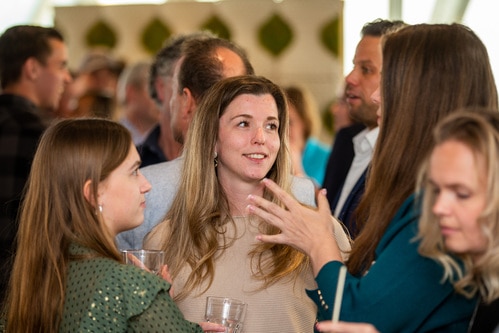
(339,293)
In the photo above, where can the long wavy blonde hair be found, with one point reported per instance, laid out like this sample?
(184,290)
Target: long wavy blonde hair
(200,209)
(55,214)
(479,131)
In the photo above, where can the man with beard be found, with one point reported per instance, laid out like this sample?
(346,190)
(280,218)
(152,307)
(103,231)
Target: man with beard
(353,145)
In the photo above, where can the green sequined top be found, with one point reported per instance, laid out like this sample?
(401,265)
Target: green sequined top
(103,295)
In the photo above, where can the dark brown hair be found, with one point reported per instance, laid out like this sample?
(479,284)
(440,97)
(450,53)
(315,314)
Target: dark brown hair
(428,72)
(18,44)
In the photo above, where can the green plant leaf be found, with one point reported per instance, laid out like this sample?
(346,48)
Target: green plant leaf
(275,35)
(154,35)
(217,26)
(330,36)
(101,34)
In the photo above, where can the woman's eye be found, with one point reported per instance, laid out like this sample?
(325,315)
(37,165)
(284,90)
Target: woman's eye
(242,124)
(272,126)
(461,195)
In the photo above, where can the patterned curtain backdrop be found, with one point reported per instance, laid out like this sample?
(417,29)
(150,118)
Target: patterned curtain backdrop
(293,41)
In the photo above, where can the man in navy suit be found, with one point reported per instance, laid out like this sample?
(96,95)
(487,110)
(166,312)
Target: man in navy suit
(354,145)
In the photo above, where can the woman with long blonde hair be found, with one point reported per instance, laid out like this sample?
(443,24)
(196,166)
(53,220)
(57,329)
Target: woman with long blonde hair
(239,136)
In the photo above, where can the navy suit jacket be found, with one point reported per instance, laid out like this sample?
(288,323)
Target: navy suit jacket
(347,211)
(339,162)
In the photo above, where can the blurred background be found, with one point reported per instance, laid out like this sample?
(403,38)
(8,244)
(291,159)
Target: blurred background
(309,43)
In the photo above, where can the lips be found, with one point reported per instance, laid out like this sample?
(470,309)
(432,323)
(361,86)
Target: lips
(256,156)
(446,231)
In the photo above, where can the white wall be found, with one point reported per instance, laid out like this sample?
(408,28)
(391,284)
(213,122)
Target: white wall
(481,16)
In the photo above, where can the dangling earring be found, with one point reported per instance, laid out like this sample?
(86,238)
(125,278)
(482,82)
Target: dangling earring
(215,160)
(100,208)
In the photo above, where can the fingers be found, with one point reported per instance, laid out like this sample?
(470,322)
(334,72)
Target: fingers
(212,327)
(165,274)
(136,262)
(322,202)
(266,210)
(276,239)
(344,327)
(286,199)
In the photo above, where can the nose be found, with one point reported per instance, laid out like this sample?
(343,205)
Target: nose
(145,185)
(376,97)
(67,77)
(440,206)
(351,78)
(259,137)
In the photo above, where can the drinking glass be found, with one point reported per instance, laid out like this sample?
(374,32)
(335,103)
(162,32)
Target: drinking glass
(226,311)
(149,260)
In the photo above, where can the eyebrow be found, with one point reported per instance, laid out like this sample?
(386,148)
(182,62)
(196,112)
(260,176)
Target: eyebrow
(244,115)
(364,62)
(136,164)
(453,186)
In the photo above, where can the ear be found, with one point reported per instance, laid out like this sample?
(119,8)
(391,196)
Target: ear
(31,68)
(190,104)
(129,91)
(159,85)
(88,192)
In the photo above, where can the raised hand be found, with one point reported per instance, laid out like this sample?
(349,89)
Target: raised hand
(310,230)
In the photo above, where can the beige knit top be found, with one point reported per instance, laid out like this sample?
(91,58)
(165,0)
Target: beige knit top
(281,307)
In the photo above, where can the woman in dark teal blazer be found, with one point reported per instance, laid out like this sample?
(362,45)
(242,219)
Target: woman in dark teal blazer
(428,72)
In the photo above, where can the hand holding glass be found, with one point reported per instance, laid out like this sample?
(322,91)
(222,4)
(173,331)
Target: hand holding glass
(226,311)
(149,260)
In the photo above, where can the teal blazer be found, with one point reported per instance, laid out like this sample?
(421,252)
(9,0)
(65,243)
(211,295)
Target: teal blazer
(401,292)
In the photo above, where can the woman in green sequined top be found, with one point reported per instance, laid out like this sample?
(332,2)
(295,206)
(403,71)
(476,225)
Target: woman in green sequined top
(68,276)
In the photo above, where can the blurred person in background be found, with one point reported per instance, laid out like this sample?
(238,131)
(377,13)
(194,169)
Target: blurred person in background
(160,145)
(308,154)
(33,74)
(95,85)
(138,113)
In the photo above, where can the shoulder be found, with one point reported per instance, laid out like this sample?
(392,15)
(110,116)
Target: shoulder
(120,286)
(157,237)
(304,190)
(18,114)
(409,210)
(165,178)
(350,131)
(164,169)
(404,225)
